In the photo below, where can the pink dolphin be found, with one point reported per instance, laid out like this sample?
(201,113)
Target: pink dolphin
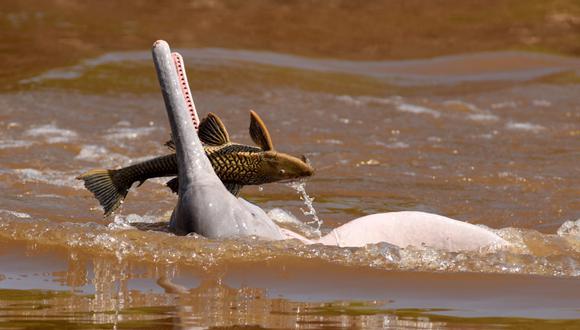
(205,206)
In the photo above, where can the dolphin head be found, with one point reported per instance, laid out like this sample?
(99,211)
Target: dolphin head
(204,205)
(277,166)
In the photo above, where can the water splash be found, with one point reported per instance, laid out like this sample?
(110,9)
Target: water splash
(300,187)
(121,222)
(52,133)
(531,252)
(16,214)
(287,220)
(570,228)
(51,177)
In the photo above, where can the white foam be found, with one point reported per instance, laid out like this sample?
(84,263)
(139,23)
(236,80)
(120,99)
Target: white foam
(370,162)
(128,133)
(394,145)
(417,109)
(468,106)
(556,257)
(92,153)
(486,136)
(56,178)
(570,228)
(396,101)
(524,127)
(393,100)
(124,123)
(101,155)
(51,133)
(125,221)
(53,75)
(330,141)
(541,103)
(20,215)
(508,104)
(7,144)
(364,100)
(483,117)
(350,100)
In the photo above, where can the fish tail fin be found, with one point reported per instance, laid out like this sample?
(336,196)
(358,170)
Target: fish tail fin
(107,188)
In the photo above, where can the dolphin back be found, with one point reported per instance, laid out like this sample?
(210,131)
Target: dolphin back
(204,205)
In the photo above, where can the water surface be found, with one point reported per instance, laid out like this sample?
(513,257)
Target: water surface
(487,135)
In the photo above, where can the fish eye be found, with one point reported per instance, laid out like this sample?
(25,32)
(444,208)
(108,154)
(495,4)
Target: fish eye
(282,171)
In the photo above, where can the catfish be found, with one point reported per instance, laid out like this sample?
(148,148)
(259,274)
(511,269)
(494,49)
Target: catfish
(237,165)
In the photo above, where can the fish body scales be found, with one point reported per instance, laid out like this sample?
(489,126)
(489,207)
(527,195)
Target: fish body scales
(235,163)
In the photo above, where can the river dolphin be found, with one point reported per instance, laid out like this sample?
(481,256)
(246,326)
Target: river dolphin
(205,206)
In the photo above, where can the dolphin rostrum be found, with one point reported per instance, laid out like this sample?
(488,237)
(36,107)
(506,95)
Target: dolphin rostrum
(204,205)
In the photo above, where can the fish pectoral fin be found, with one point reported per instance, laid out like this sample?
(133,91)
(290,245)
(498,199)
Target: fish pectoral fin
(259,132)
(173,184)
(233,188)
(212,131)
(170,144)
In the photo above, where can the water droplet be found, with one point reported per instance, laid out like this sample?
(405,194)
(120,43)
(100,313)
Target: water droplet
(300,187)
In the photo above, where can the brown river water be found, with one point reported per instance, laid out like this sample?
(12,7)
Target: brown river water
(466,110)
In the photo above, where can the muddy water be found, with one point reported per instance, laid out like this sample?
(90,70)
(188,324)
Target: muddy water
(488,137)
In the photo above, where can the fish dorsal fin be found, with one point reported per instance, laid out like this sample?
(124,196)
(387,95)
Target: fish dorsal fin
(259,132)
(212,131)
